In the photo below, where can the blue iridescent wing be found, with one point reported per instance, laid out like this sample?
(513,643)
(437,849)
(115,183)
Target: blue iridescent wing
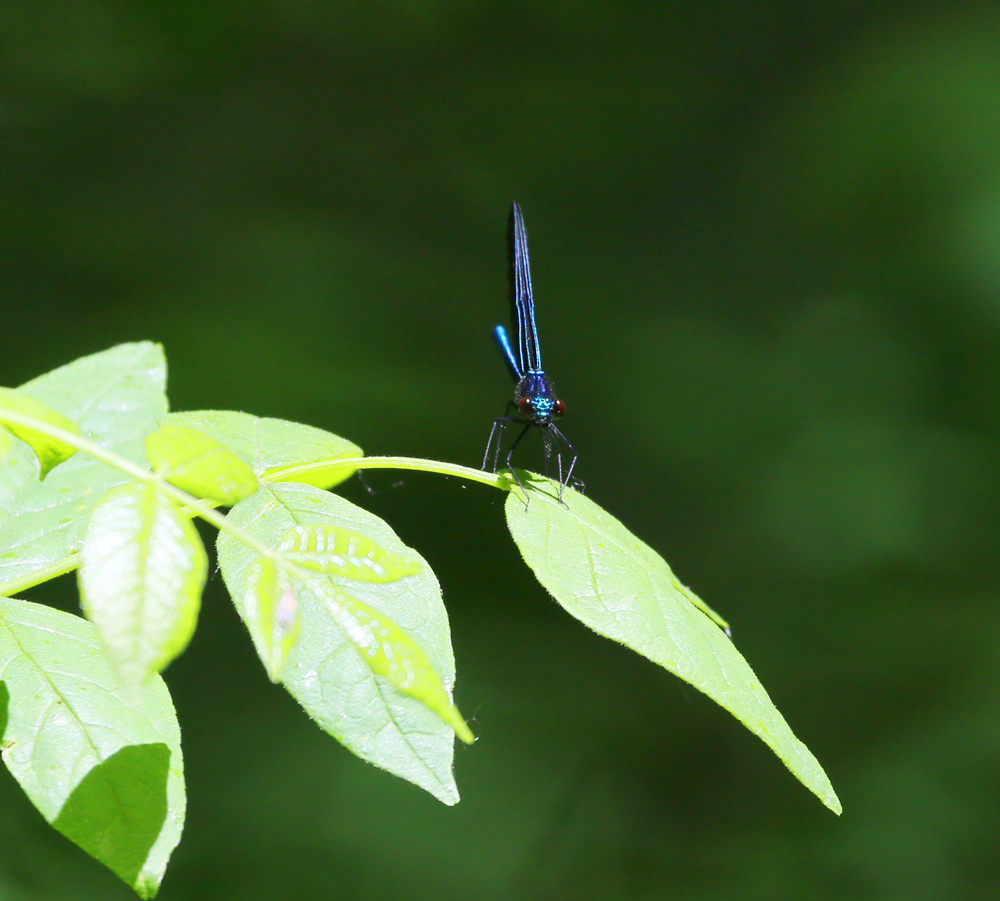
(522,301)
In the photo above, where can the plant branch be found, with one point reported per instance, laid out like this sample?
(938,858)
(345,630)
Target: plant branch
(205,510)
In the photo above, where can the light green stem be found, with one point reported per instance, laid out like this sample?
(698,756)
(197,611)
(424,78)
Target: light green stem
(205,510)
(493,479)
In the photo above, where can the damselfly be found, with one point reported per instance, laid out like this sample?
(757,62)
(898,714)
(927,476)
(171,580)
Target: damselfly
(535,402)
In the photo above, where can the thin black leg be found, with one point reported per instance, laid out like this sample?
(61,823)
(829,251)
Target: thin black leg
(493,447)
(510,454)
(554,441)
(497,433)
(563,482)
(550,444)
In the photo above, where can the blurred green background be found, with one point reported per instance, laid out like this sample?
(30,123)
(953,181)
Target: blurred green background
(766,250)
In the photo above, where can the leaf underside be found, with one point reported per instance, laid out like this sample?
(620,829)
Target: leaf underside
(144,567)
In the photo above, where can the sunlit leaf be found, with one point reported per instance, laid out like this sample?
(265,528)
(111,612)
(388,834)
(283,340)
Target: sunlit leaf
(143,570)
(272,446)
(50,451)
(336,551)
(325,671)
(271,611)
(101,765)
(199,465)
(620,587)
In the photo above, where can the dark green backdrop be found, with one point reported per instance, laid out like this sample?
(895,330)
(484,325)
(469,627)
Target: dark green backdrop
(766,249)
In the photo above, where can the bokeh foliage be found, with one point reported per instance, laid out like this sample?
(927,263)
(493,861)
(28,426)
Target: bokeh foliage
(765,241)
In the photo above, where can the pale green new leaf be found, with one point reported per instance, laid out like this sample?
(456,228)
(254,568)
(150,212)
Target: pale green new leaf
(325,671)
(101,765)
(336,551)
(200,465)
(273,446)
(141,578)
(116,398)
(620,587)
(50,451)
(389,651)
(271,611)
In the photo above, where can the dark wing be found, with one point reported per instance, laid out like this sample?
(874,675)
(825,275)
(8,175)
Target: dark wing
(521,301)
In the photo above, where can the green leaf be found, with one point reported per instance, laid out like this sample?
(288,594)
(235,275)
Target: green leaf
(115,397)
(325,671)
(103,767)
(271,611)
(143,570)
(336,551)
(5,443)
(273,446)
(620,587)
(199,465)
(50,451)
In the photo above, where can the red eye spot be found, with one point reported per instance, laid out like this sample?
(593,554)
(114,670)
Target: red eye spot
(560,409)
(525,405)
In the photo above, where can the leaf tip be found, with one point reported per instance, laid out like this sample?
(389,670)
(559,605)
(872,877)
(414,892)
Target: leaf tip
(463,731)
(457,722)
(146,888)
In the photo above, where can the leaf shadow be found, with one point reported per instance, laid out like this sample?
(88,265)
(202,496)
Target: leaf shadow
(4,703)
(118,809)
(533,483)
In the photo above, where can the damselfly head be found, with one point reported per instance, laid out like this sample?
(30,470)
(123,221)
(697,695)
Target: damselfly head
(541,410)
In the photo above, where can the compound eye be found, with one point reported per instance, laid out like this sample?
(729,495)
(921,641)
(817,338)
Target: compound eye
(559,409)
(526,406)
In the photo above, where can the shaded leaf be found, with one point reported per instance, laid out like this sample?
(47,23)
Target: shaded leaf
(199,465)
(620,587)
(143,570)
(115,397)
(325,672)
(102,766)
(50,451)
(273,446)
